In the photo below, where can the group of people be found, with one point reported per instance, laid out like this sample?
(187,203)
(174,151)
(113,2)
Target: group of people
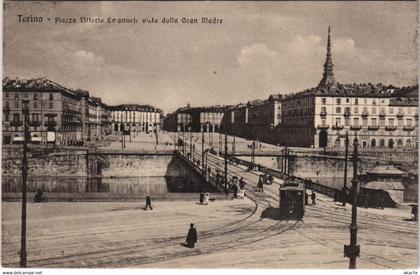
(204,198)
(313,198)
(237,187)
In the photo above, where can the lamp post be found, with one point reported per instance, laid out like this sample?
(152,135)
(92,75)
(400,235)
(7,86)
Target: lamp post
(202,150)
(344,190)
(25,111)
(226,169)
(183,139)
(233,145)
(352,251)
(253,152)
(220,142)
(190,130)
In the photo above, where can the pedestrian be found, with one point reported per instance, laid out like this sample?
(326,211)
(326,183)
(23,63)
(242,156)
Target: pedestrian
(148,202)
(241,183)
(206,198)
(39,196)
(313,197)
(414,212)
(201,198)
(192,236)
(306,198)
(260,184)
(235,191)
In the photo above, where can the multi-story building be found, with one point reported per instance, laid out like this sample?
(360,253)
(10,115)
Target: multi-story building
(197,119)
(54,111)
(255,120)
(65,117)
(381,116)
(135,118)
(322,116)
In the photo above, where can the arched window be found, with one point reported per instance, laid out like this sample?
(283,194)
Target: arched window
(408,143)
(399,143)
(391,143)
(373,143)
(382,143)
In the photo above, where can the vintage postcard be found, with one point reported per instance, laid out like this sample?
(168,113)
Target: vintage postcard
(246,135)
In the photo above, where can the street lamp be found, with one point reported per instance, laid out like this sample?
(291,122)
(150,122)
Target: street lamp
(226,169)
(190,130)
(344,190)
(25,111)
(253,152)
(352,251)
(202,149)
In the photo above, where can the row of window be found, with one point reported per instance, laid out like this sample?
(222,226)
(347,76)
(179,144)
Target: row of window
(338,101)
(35,105)
(16,117)
(374,122)
(26,95)
(382,110)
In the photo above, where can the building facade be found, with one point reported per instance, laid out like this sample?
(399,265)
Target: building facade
(67,117)
(196,119)
(135,118)
(54,112)
(380,116)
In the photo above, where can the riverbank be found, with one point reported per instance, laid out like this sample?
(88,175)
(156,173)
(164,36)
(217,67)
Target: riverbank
(111,197)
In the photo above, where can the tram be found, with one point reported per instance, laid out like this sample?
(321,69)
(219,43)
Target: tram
(292,200)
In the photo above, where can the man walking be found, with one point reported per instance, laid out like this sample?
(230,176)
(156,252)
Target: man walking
(148,202)
(313,196)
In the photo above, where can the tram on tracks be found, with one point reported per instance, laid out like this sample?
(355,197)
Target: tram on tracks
(292,200)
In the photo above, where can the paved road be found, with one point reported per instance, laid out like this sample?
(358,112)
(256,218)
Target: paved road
(387,241)
(234,233)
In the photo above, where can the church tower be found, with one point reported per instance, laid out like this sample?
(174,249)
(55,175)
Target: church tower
(328,77)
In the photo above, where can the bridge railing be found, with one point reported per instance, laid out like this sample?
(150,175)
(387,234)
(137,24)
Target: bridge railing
(198,169)
(309,184)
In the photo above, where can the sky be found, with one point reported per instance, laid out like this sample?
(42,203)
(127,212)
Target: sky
(261,48)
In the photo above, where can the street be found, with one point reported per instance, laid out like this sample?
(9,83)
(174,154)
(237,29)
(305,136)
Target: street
(231,233)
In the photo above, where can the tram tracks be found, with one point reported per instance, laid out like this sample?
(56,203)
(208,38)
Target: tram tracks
(239,233)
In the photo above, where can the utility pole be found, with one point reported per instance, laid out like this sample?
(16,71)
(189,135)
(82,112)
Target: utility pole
(253,152)
(284,160)
(352,251)
(202,150)
(233,145)
(25,110)
(183,140)
(220,142)
(191,156)
(344,190)
(226,171)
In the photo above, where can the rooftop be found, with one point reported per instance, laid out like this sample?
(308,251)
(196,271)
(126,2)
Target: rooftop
(385,170)
(384,185)
(34,84)
(134,107)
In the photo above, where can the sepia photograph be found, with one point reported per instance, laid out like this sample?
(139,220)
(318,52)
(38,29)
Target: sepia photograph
(245,135)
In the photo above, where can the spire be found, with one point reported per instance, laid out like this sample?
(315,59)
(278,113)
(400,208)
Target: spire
(328,77)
